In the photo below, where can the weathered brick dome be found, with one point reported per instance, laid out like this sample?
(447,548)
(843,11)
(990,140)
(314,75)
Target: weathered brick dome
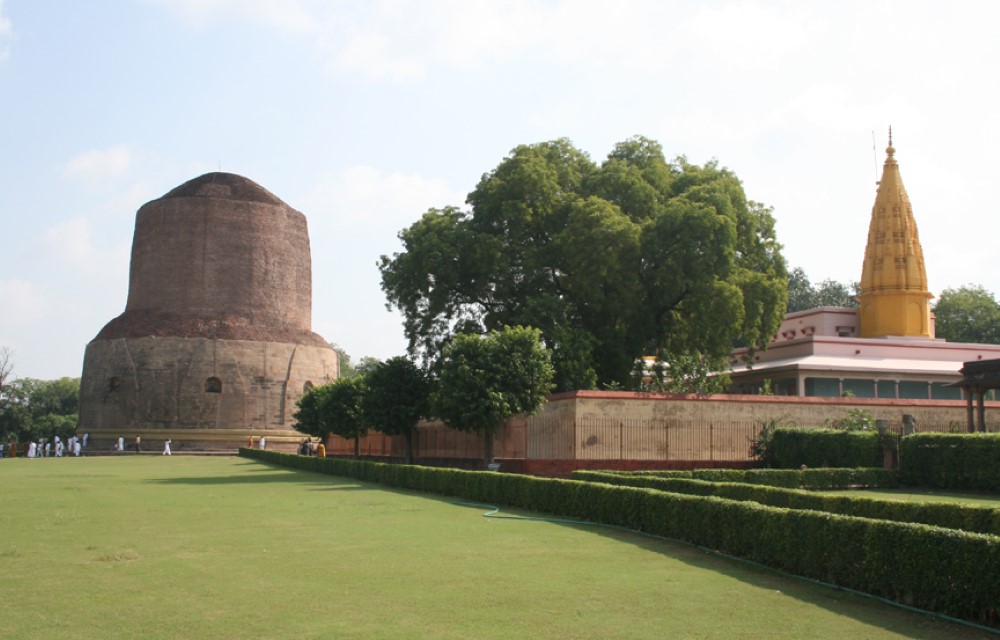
(219,257)
(216,336)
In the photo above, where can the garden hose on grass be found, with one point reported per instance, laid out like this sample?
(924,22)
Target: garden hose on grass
(494,512)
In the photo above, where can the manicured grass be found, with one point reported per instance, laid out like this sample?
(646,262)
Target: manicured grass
(925,495)
(187,547)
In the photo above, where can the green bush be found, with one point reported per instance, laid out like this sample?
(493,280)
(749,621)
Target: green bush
(953,572)
(870,477)
(951,460)
(791,448)
(940,514)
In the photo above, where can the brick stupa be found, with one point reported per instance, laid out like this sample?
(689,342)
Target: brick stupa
(216,344)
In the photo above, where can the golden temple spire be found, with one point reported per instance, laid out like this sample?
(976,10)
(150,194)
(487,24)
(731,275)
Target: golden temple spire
(894,297)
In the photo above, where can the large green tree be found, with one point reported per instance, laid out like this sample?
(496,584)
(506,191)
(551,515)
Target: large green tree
(348,369)
(396,398)
(333,408)
(803,295)
(634,256)
(484,380)
(968,314)
(32,409)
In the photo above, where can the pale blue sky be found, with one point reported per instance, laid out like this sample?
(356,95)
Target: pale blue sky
(362,115)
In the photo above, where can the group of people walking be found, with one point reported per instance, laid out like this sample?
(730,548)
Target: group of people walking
(48,447)
(119,446)
(55,447)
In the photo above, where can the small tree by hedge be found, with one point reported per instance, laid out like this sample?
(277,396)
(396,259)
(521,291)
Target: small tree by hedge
(396,398)
(333,408)
(485,380)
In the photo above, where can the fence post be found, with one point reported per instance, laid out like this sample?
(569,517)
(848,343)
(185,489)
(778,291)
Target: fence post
(576,439)
(666,428)
(527,421)
(711,441)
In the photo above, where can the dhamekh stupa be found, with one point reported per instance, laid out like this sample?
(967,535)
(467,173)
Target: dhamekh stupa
(216,344)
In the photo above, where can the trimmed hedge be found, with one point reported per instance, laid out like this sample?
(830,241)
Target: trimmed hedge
(945,570)
(951,460)
(788,478)
(940,514)
(791,448)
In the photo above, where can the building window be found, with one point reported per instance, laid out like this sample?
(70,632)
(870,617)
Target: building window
(858,388)
(944,391)
(913,389)
(886,388)
(213,385)
(822,387)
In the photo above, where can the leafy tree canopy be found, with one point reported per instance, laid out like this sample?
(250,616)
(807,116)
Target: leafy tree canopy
(484,380)
(968,314)
(635,255)
(333,408)
(32,409)
(348,369)
(803,295)
(396,398)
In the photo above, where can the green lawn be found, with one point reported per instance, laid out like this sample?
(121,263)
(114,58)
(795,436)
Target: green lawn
(190,547)
(925,495)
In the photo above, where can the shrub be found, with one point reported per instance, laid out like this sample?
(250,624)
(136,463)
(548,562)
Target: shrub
(951,461)
(870,477)
(793,448)
(941,514)
(761,445)
(856,420)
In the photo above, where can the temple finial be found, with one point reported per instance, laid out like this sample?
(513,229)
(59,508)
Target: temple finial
(890,150)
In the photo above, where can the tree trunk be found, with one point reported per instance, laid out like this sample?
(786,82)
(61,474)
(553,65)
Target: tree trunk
(409,446)
(357,447)
(487,449)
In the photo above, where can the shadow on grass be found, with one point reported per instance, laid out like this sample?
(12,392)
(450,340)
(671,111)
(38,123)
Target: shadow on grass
(867,609)
(255,473)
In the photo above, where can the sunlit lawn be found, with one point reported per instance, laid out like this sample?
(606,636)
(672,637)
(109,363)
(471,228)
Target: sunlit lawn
(926,495)
(187,547)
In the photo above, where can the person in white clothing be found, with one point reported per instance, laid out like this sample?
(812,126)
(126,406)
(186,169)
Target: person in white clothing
(166,447)
(263,442)
(121,444)
(32,449)
(59,447)
(76,447)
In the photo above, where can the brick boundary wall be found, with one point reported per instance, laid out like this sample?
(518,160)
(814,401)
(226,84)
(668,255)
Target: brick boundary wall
(631,431)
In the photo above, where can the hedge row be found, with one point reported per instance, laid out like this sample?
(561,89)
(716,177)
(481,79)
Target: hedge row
(951,461)
(789,478)
(791,448)
(940,514)
(945,570)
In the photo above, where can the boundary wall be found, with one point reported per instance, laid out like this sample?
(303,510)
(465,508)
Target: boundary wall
(629,430)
